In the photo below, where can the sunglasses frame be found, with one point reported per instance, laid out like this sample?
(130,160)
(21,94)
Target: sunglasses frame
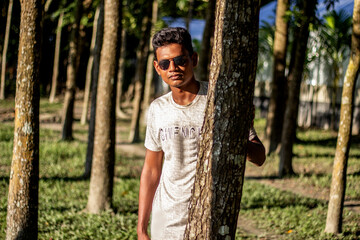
(178,61)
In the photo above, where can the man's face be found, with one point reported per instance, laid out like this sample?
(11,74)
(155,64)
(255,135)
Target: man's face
(174,65)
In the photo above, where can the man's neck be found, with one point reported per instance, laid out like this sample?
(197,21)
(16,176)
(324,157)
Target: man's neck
(185,95)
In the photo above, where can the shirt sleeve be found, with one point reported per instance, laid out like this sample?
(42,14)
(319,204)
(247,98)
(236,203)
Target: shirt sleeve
(252,133)
(152,137)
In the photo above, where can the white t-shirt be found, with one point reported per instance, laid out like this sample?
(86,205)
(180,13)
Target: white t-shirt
(174,129)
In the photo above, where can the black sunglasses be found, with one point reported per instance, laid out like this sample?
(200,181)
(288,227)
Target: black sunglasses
(178,61)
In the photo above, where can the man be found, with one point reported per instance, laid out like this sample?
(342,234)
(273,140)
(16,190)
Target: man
(172,136)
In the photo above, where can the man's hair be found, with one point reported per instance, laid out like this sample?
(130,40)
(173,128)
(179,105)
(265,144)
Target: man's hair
(172,35)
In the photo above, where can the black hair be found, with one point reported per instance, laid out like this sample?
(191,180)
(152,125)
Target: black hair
(172,35)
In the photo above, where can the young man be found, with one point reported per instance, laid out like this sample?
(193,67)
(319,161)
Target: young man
(172,135)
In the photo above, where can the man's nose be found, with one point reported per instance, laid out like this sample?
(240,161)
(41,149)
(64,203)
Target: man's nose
(172,66)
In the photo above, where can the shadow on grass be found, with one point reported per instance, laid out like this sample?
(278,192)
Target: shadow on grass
(327,142)
(65,179)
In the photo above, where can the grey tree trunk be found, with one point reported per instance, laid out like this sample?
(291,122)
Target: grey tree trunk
(338,183)
(141,56)
(84,113)
(68,108)
(203,67)
(215,202)
(95,77)
(150,60)
(294,79)
(22,209)
(189,15)
(275,117)
(102,172)
(6,44)
(56,58)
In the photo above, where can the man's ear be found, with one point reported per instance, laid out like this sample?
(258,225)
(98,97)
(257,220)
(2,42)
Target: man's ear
(156,66)
(195,59)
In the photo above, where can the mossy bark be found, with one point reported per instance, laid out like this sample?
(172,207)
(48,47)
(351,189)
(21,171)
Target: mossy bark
(22,210)
(215,201)
(338,183)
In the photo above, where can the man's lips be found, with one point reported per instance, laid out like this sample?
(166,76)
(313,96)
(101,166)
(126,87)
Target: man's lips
(176,76)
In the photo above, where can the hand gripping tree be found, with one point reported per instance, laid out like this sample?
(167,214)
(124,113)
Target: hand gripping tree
(215,202)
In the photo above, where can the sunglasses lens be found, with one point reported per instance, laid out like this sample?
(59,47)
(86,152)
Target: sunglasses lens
(164,64)
(180,61)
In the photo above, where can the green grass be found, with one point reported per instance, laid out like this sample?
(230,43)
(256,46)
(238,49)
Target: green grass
(63,193)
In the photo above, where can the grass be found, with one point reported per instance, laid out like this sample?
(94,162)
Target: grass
(63,193)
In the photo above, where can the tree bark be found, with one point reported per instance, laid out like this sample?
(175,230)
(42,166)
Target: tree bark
(207,40)
(102,172)
(56,58)
(294,80)
(338,183)
(189,15)
(150,60)
(120,77)
(22,210)
(68,109)
(95,77)
(276,110)
(215,202)
(84,113)
(6,44)
(141,56)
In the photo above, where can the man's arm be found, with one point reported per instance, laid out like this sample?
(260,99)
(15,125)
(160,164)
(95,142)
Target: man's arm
(150,177)
(255,152)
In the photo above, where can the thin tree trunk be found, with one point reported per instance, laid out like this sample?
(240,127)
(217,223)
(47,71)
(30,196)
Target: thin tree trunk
(215,202)
(89,70)
(294,79)
(68,108)
(22,210)
(102,172)
(338,183)
(207,40)
(120,78)
(141,55)
(189,15)
(276,110)
(56,58)
(6,44)
(150,60)
(95,77)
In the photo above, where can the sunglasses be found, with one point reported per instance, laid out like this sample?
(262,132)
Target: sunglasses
(178,61)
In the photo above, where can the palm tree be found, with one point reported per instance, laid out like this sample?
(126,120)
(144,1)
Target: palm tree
(335,37)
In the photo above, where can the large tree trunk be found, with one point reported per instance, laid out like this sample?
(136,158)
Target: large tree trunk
(275,117)
(95,76)
(89,69)
(68,109)
(202,73)
(294,79)
(22,211)
(120,77)
(150,61)
(6,44)
(215,202)
(338,183)
(102,172)
(56,58)
(141,56)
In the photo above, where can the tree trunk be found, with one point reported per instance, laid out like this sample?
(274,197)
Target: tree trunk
(6,44)
(22,210)
(141,56)
(95,77)
(68,109)
(294,79)
(215,202)
(89,70)
(276,110)
(207,40)
(189,15)
(120,77)
(102,172)
(150,60)
(338,183)
(56,58)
